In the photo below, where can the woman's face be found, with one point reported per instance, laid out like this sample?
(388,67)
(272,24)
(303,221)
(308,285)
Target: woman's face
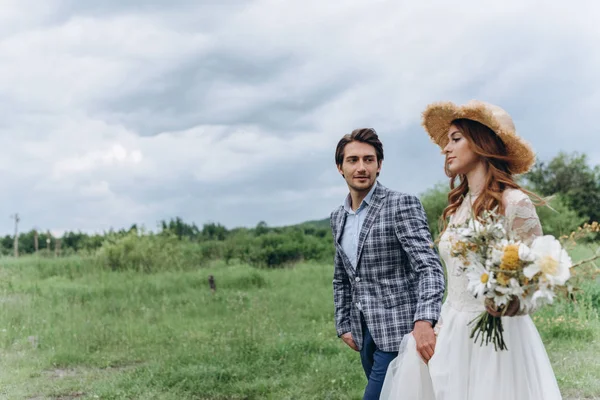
(460,158)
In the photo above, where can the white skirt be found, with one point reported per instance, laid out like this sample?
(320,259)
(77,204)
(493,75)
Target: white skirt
(461,369)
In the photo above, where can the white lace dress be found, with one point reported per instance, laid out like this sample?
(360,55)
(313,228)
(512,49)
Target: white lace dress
(461,369)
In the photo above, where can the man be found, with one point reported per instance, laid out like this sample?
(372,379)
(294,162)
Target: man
(388,280)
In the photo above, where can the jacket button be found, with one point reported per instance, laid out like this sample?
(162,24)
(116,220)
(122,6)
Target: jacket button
(357,279)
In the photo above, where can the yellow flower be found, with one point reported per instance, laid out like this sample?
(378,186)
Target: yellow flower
(460,249)
(510,259)
(502,279)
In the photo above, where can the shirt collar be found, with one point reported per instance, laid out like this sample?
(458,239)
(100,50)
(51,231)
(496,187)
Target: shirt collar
(366,201)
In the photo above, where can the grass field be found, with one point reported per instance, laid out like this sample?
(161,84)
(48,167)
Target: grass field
(69,330)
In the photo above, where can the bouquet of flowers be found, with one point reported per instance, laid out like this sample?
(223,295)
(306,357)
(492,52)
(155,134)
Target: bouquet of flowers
(501,268)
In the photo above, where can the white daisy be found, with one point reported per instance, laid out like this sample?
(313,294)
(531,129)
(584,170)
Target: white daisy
(550,259)
(479,279)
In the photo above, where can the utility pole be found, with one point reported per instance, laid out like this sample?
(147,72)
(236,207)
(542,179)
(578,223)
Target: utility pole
(16,243)
(57,247)
(36,244)
(48,240)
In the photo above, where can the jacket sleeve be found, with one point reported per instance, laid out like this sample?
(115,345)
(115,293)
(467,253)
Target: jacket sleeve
(342,290)
(413,233)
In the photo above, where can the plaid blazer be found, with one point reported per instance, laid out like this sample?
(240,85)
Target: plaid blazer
(398,277)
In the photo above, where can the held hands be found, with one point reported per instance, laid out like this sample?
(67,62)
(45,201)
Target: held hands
(425,339)
(512,309)
(347,338)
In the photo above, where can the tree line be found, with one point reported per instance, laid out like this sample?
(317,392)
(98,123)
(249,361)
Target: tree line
(572,185)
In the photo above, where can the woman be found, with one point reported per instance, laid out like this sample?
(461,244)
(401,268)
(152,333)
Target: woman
(483,152)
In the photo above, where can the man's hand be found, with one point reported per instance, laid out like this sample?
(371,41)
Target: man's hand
(511,310)
(425,338)
(347,338)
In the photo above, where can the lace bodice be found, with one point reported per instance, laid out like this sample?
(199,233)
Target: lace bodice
(521,220)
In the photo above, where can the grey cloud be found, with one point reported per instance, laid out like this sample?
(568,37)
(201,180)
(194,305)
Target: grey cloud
(185,97)
(193,94)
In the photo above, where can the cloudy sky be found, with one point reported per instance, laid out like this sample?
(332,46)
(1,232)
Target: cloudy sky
(120,112)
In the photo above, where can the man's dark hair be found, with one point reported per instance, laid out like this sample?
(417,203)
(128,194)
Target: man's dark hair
(364,135)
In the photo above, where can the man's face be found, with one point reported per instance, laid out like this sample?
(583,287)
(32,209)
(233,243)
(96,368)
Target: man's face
(359,166)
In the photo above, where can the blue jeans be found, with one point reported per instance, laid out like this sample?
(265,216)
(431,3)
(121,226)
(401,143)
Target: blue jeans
(375,363)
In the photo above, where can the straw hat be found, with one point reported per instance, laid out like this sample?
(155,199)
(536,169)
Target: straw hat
(438,117)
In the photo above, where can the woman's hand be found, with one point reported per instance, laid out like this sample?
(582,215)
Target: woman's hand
(511,310)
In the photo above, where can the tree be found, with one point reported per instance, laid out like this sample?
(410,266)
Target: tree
(214,231)
(570,176)
(74,240)
(261,228)
(434,202)
(179,228)
(557,218)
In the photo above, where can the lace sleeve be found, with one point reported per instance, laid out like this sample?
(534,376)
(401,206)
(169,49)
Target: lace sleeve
(523,224)
(522,220)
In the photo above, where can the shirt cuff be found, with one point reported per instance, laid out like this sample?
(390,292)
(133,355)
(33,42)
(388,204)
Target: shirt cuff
(432,322)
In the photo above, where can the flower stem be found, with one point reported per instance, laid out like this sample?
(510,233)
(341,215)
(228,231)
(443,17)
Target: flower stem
(487,328)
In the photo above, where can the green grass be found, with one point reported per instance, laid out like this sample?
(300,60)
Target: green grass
(70,330)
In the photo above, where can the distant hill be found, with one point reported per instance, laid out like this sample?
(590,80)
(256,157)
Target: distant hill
(321,223)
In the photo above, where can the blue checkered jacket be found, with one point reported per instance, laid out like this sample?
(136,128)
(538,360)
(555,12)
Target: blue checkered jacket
(398,277)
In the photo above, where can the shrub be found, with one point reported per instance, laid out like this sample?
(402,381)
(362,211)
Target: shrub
(145,253)
(275,250)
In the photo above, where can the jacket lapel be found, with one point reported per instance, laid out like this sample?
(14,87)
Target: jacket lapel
(376,202)
(341,220)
